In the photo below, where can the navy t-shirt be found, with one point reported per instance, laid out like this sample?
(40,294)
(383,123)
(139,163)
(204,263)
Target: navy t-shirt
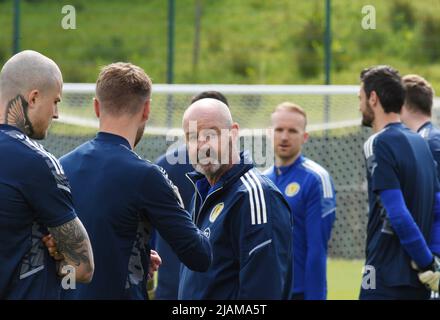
(397,158)
(119,197)
(34,195)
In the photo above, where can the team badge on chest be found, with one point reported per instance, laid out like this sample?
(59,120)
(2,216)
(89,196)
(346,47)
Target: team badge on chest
(216,211)
(292,189)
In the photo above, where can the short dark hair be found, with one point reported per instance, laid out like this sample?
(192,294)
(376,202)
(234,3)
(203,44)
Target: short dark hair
(210,94)
(123,88)
(387,83)
(419,94)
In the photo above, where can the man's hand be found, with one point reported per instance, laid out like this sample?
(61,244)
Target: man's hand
(430,278)
(155,262)
(51,246)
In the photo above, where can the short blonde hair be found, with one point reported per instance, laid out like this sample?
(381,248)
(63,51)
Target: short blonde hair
(292,107)
(123,88)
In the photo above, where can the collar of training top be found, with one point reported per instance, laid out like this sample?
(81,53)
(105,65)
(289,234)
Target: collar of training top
(283,169)
(426,124)
(112,138)
(392,124)
(4,126)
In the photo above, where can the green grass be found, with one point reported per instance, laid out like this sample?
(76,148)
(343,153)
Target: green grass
(344,279)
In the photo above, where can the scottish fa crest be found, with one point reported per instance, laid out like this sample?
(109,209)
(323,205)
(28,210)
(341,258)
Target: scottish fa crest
(292,189)
(216,211)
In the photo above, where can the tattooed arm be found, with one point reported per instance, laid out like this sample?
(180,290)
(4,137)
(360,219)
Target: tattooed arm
(72,242)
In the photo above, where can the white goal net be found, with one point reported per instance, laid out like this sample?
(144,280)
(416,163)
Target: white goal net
(333,121)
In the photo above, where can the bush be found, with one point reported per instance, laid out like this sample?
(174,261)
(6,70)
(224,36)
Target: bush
(429,41)
(402,15)
(309,48)
(108,50)
(241,64)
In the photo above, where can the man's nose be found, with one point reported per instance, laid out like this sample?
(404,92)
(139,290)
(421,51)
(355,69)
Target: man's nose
(55,112)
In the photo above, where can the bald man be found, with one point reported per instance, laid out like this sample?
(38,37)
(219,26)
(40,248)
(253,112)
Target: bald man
(245,217)
(168,275)
(35,196)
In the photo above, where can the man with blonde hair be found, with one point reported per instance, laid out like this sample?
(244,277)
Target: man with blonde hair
(308,188)
(121,197)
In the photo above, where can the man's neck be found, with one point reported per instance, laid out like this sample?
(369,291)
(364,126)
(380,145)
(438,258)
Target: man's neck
(416,121)
(124,130)
(384,119)
(282,162)
(212,180)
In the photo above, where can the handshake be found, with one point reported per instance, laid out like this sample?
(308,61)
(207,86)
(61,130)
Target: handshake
(431,277)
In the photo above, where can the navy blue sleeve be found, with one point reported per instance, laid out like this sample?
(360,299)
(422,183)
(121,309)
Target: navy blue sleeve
(434,243)
(405,227)
(48,192)
(264,245)
(320,215)
(384,168)
(434,146)
(163,206)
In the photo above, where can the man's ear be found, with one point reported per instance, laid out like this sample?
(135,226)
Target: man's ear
(146,110)
(235,131)
(373,100)
(96,107)
(306,137)
(32,97)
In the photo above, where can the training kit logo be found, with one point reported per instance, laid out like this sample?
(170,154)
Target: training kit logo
(216,211)
(292,189)
(207,232)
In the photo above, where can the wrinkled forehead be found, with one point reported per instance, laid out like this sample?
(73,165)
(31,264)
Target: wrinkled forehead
(201,120)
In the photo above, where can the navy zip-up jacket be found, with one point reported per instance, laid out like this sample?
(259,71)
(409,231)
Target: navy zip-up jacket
(249,225)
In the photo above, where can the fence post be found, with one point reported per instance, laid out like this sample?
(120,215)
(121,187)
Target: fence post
(170,59)
(16,28)
(170,56)
(328,58)
(328,42)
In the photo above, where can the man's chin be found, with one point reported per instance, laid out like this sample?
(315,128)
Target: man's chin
(207,170)
(284,154)
(38,135)
(367,123)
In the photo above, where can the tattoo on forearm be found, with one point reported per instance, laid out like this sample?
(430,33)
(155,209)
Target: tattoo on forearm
(17,115)
(72,241)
